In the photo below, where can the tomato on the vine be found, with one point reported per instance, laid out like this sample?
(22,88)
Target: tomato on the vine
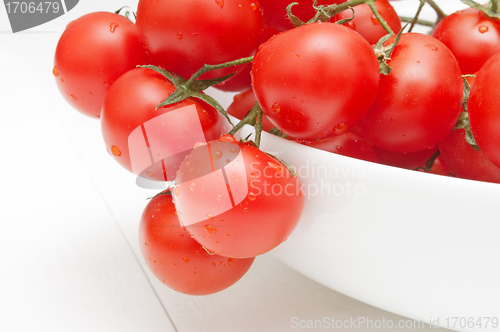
(236,200)
(184,35)
(418,103)
(484,109)
(315,81)
(465,162)
(91,54)
(152,142)
(179,261)
(349,144)
(366,24)
(242,104)
(471,36)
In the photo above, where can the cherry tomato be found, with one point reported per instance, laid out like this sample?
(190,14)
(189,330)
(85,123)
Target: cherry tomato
(315,81)
(365,22)
(242,81)
(275,14)
(184,35)
(484,109)
(349,144)
(465,162)
(236,200)
(242,104)
(471,36)
(177,260)
(411,160)
(91,54)
(418,103)
(148,142)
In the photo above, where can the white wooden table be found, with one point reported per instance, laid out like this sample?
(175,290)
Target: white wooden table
(69,253)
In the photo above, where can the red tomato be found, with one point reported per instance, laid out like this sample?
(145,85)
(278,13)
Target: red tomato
(91,54)
(418,103)
(242,104)
(484,109)
(309,83)
(349,144)
(242,81)
(411,160)
(465,162)
(471,36)
(236,200)
(184,35)
(365,22)
(177,260)
(275,14)
(153,142)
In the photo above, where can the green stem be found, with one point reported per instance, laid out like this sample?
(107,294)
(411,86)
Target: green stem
(379,17)
(418,21)
(415,19)
(438,10)
(494,6)
(251,119)
(206,68)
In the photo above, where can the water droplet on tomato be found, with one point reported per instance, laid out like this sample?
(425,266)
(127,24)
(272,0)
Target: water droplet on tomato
(228,234)
(245,209)
(220,3)
(276,108)
(150,174)
(340,129)
(374,20)
(253,6)
(185,259)
(176,191)
(180,35)
(253,184)
(210,252)
(210,229)
(113,26)
(55,71)
(219,198)
(233,150)
(230,261)
(192,186)
(432,47)
(217,154)
(198,144)
(483,29)
(236,179)
(240,6)
(251,196)
(228,161)
(210,217)
(115,151)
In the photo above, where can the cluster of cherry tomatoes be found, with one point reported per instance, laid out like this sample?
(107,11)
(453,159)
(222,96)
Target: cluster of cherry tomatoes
(357,87)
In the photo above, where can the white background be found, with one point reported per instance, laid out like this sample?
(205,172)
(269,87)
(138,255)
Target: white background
(69,253)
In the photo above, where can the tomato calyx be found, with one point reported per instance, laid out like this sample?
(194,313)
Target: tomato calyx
(325,13)
(463,119)
(429,163)
(383,53)
(193,87)
(165,192)
(492,9)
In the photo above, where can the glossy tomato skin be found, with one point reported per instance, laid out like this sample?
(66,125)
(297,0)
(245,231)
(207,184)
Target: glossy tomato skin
(242,81)
(471,36)
(275,14)
(418,103)
(236,200)
(484,109)
(177,260)
(130,104)
(411,160)
(349,145)
(182,36)
(308,80)
(91,54)
(366,24)
(465,162)
(242,104)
